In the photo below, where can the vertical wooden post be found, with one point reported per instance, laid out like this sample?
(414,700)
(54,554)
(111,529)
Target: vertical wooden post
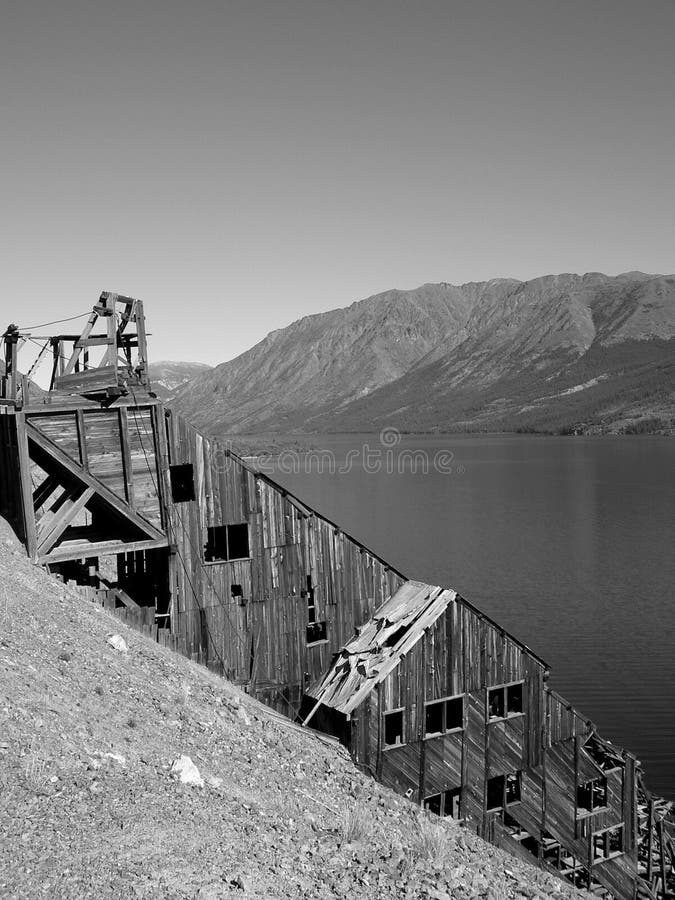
(142,344)
(662,856)
(81,438)
(126,456)
(650,833)
(26,486)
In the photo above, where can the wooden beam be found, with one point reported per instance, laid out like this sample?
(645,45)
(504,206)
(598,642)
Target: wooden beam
(67,514)
(65,462)
(70,367)
(81,439)
(85,549)
(22,427)
(126,456)
(43,491)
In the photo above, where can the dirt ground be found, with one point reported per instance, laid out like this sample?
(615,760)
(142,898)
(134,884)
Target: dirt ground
(89,807)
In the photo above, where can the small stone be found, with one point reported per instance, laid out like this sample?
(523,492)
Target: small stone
(185,771)
(118,642)
(240,882)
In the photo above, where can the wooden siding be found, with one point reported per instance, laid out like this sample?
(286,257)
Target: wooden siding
(465,654)
(260,639)
(10,475)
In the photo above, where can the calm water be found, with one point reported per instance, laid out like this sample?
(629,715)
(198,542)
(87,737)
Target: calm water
(567,542)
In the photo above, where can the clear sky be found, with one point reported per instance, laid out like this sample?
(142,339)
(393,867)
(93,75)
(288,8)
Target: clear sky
(238,164)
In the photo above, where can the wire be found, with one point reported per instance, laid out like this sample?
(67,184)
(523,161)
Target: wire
(55,322)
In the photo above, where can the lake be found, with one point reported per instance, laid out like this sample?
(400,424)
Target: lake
(567,542)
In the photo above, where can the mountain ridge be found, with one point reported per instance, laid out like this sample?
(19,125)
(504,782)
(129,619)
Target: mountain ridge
(439,356)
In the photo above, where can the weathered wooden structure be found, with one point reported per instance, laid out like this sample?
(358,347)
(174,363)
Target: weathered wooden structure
(109,489)
(440,704)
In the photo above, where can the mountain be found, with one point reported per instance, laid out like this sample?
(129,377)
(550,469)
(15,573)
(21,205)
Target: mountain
(555,353)
(167,377)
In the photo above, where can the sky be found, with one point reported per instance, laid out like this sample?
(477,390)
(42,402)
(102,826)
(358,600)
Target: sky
(242,163)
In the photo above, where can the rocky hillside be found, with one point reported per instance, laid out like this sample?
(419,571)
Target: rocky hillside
(167,377)
(546,354)
(91,798)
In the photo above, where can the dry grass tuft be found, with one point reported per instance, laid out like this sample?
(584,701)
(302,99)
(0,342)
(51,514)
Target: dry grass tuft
(356,824)
(432,841)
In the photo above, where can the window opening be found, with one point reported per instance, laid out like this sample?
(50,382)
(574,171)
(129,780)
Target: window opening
(592,795)
(608,843)
(505,701)
(444,804)
(182,483)
(496,703)
(393,728)
(226,542)
(316,630)
(502,790)
(441,716)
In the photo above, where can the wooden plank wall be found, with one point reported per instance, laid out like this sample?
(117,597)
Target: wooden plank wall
(107,442)
(465,653)
(10,477)
(462,653)
(260,639)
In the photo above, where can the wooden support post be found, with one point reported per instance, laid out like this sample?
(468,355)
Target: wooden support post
(650,840)
(126,456)
(26,486)
(43,492)
(662,856)
(82,439)
(65,516)
(142,344)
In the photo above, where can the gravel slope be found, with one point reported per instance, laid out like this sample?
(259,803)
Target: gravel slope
(89,808)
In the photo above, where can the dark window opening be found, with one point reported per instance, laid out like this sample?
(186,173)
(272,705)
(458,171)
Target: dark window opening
(433,803)
(514,699)
(226,542)
(316,632)
(503,790)
(505,700)
(393,728)
(444,804)
(182,483)
(608,843)
(433,719)
(237,541)
(443,715)
(495,792)
(496,703)
(513,788)
(592,795)
(236,590)
(454,713)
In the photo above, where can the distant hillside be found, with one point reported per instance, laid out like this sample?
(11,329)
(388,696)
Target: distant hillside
(167,377)
(555,353)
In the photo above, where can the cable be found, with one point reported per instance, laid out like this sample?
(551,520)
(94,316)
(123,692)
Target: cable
(55,322)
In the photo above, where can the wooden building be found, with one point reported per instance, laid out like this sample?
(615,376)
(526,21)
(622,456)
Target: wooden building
(108,488)
(440,704)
